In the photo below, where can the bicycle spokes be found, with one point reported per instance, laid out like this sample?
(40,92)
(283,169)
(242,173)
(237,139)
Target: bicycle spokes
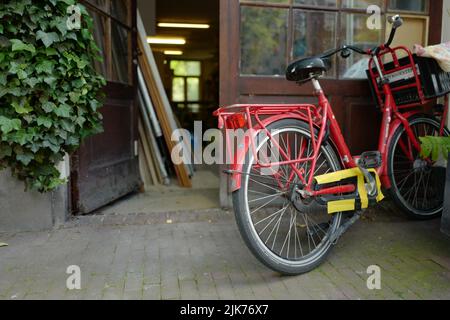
(286,224)
(419,182)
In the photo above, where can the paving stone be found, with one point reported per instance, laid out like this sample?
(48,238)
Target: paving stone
(200,255)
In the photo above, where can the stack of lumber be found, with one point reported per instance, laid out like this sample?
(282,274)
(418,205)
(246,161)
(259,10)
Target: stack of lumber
(156,122)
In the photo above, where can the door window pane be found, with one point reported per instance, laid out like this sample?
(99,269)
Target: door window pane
(120,56)
(119,10)
(108,33)
(102,4)
(310,27)
(419,6)
(306,43)
(99,24)
(263,40)
(323,3)
(354,31)
(361,4)
(268,1)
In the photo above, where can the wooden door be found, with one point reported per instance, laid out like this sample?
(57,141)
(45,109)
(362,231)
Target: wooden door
(106,166)
(259,39)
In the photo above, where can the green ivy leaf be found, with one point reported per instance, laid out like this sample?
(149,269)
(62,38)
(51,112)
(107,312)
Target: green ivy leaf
(45,66)
(18,45)
(3,79)
(22,74)
(54,147)
(21,107)
(434,146)
(8,125)
(49,91)
(51,81)
(44,121)
(51,52)
(31,81)
(25,158)
(47,38)
(63,111)
(5,151)
(74,97)
(49,106)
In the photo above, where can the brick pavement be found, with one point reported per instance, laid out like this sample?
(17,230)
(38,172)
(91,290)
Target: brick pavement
(200,255)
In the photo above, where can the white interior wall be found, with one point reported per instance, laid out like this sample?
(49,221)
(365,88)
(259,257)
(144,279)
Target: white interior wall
(147,9)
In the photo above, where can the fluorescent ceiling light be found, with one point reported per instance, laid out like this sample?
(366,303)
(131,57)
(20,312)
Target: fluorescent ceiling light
(173,53)
(160,40)
(183,25)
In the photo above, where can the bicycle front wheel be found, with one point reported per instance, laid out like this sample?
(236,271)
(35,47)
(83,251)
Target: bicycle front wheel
(288,235)
(417,185)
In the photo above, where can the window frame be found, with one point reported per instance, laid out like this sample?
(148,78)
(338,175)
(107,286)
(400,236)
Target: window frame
(105,12)
(339,9)
(186,102)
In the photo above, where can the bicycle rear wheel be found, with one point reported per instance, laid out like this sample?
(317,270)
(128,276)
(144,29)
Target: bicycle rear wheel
(288,235)
(417,185)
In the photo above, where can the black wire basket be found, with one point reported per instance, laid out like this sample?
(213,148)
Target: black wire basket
(434,82)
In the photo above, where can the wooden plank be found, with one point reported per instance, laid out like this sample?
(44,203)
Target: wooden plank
(154,148)
(160,100)
(144,169)
(152,128)
(153,153)
(147,153)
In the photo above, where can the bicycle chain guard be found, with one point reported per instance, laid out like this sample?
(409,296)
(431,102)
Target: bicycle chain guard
(359,199)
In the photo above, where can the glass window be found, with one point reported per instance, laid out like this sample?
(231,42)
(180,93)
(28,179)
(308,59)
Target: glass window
(112,30)
(323,3)
(354,31)
(185,68)
(193,89)
(119,10)
(418,6)
(361,4)
(178,90)
(101,4)
(186,84)
(120,65)
(306,43)
(273,35)
(99,23)
(263,40)
(268,1)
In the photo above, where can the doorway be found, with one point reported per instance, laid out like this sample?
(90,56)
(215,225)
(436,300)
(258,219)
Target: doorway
(190,76)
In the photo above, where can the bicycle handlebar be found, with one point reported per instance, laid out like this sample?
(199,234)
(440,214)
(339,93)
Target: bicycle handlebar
(344,51)
(396,22)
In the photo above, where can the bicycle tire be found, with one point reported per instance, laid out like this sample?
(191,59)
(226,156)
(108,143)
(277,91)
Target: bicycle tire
(410,205)
(244,219)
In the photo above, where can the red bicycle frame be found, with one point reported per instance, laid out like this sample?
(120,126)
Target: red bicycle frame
(320,119)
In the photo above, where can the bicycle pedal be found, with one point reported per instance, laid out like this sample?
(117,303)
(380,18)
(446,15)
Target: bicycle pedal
(370,160)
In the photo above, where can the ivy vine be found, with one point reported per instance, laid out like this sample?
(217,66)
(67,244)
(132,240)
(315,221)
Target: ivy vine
(50,93)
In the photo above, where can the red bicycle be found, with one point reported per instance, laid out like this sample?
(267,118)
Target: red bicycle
(297,188)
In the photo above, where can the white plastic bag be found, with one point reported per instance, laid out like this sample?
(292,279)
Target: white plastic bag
(440,52)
